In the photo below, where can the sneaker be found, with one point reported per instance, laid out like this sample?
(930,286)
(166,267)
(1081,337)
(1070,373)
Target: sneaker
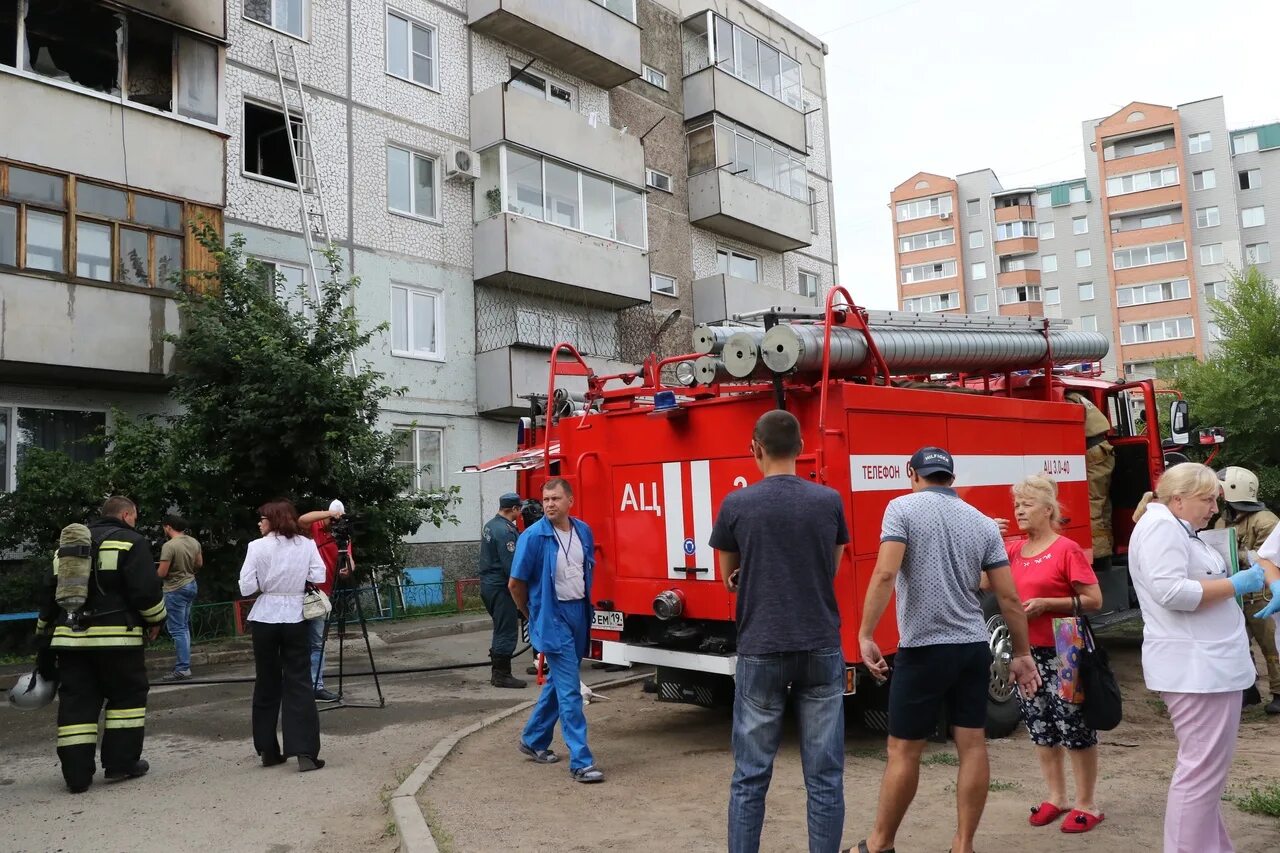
(323,695)
(177,675)
(544,756)
(306,763)
(587,774)
(139,768)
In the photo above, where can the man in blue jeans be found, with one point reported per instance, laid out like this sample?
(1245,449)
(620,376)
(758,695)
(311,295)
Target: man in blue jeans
(779,543)
(551,585)
(180,559)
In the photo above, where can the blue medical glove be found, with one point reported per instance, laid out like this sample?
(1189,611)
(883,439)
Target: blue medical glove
(1250,580)
(1273,607)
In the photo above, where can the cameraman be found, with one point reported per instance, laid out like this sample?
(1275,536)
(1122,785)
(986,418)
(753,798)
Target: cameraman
(316,525)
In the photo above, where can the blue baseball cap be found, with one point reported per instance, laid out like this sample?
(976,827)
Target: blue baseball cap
(932,460)
(509,501)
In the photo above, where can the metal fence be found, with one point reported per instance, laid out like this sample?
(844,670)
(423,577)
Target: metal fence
(381,602)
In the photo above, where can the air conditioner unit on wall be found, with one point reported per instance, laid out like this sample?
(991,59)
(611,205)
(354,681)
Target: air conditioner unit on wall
(944,216)
(462,165)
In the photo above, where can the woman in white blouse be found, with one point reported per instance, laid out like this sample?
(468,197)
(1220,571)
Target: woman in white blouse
(1195,651)
(278,566)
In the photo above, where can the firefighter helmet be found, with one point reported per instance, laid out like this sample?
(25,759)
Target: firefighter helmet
(1240,489)
(31,691)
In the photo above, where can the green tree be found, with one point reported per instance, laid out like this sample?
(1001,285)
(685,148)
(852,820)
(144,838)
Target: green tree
(269,407)
(1238,387)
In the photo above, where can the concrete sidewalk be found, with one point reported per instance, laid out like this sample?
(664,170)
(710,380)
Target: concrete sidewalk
(204,770)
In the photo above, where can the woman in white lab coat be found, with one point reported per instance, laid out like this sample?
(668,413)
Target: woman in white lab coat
(1195,652)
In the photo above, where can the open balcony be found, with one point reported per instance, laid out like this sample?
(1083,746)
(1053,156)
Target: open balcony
(505,114)
(506,375)
(547,259)
(735,207)
(717,298)
(582,37)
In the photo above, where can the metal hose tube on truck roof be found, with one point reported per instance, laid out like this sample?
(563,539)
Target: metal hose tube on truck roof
(741,355)
(708,370)
(710,340)
(799,348)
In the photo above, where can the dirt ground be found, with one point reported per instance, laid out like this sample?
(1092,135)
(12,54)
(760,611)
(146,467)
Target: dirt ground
(206,790)
(669,766)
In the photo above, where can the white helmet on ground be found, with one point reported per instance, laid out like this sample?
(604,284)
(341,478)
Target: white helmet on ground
(31,691)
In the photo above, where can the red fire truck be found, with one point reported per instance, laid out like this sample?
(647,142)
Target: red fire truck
(651,454)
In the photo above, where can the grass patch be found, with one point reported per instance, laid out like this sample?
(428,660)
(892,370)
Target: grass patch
(1253,714)
(940,759)
(1157,705)
(871,752)
(1001,785)
(1263,801)
(443,839)
(390,831)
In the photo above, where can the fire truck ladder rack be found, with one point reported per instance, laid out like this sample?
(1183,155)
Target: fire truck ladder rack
(312,211)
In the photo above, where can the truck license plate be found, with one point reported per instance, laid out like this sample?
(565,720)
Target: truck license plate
(607,620)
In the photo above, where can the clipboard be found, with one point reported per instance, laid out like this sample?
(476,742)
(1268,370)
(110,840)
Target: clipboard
(1226,543)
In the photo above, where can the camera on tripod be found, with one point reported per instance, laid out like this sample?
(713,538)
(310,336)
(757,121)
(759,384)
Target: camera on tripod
(342,529)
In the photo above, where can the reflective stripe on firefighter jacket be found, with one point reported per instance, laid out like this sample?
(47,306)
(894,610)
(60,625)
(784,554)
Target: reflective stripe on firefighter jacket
(125,594)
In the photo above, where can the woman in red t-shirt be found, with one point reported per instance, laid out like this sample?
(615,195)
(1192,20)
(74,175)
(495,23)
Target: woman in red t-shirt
(1048,569)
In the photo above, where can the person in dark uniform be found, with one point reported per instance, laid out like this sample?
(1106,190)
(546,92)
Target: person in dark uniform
(100,659)
(497,548)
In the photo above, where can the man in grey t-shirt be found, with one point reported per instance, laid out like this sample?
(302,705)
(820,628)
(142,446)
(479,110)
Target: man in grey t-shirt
(779,543)
(937,548)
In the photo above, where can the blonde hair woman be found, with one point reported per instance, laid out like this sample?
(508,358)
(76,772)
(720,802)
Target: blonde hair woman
(1049,571)
(1195,652)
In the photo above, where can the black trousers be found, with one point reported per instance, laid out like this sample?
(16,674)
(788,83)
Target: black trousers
(90,679)
(502,608)
(282,691)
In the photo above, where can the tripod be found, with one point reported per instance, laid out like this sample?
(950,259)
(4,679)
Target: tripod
(343,601)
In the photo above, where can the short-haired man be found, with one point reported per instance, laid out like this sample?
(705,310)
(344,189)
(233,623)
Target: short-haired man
(101,661)
(551,585)
(779,543)
(497,550)
(180,559)
(315,525)
(937,548)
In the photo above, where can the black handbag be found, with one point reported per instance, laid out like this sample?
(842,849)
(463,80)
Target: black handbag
(1102,706)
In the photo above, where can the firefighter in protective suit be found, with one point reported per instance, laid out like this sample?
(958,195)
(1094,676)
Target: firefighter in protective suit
(1253,523)
(100,651)
(1099,465)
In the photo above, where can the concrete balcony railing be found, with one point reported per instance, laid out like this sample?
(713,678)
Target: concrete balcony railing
(1017,246)
(713,90)
(541,258)
(717,298)
(87,334)
(506,115)
(1016,212)
(580,36)
(505,375)
(736,207)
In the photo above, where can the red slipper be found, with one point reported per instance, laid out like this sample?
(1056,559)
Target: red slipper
(1045,814)
(1078,821)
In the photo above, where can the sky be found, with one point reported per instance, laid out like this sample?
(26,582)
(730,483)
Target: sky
(950,86)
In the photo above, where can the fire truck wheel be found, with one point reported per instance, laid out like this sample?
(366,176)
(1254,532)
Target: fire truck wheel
(1003,713)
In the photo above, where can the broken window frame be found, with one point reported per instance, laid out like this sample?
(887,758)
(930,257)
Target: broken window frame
(22,66)
(299,143)
(72,217)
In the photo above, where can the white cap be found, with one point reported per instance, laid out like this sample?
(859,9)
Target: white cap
(337,506)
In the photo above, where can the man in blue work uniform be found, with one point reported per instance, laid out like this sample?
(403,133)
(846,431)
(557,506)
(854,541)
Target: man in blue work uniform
(497,550)
(551,585)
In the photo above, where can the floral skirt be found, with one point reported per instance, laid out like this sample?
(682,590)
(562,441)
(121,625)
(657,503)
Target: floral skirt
(1050,720)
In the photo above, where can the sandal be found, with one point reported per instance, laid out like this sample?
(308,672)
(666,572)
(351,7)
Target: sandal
(541,756)
(863,848)
(1045,814)
(1078,821)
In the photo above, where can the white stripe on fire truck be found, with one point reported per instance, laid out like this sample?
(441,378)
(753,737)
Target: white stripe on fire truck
(700,481)
(885,472)
(673,517)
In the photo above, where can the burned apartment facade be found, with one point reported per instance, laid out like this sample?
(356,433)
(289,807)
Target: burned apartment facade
(499,174)
(111,140)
